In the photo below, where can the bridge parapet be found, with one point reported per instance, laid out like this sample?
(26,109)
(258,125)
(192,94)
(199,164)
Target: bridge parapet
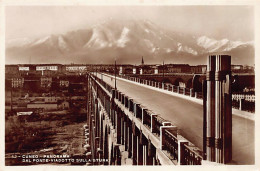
(150,139)
(243,105)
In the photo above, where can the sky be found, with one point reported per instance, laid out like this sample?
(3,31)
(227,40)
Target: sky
(219,22)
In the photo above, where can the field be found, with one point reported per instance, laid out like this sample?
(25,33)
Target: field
(54,133)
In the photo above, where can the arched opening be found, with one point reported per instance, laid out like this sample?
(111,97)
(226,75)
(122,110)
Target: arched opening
(179,82)
(189,83)
(197,83)
(166,80)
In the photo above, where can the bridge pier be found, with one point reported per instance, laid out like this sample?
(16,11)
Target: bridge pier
(134,142)
(140,148)
(129,123)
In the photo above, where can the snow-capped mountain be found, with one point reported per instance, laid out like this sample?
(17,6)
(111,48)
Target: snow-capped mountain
(213,45)
(126,41)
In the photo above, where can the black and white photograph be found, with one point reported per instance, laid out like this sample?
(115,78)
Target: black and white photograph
(125,85)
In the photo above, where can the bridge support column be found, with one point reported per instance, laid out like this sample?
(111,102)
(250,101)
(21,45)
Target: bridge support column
(150,153)
(118,126)
(140,148)
(126,133)
(134,142)
(122,129)
(130,138)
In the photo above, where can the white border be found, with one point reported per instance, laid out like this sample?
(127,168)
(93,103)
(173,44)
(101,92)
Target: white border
(4,3)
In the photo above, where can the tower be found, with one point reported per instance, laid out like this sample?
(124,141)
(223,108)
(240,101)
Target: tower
(142,60)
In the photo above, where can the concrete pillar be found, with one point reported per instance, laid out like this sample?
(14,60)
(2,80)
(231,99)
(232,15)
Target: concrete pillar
(144,154)
(122,129)
(219,109)
(196,95)
(150,153)
(140,149)
(130,139)
(126,135)
(118,126)
(210,116)
(134,138)
(223,110)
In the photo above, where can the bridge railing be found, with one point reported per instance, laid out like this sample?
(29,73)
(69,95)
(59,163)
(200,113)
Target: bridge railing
(138,111)
(158,122)
(191,157)
(146,117)
(171,143)
(244,105)
(199,95)
(248,105)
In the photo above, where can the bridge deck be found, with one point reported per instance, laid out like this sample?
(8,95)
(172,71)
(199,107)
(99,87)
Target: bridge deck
(188,116)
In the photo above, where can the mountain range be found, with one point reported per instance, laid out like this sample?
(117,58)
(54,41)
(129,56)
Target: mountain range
(126,41)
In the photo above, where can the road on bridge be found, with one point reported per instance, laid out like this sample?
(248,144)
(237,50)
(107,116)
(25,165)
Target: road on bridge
(188,117)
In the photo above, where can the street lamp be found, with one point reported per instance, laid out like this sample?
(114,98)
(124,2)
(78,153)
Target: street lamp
(115,74)
(163,71)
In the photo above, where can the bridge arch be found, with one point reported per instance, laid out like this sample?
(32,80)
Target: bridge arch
(166,80)
(189,83)
(196,84)
(178,81)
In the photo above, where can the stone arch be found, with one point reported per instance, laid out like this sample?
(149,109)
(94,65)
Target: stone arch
(166,80)
(189,83)
(178,81)
(196,84)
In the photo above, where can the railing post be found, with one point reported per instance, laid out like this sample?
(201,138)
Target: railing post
(143,110)
(153,122)
(181,152)
(184,90)
(196,95)
(178,89)
(241,102)
(172,129)
(191,92)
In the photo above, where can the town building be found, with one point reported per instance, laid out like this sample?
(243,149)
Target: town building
(17,82)
(46,82)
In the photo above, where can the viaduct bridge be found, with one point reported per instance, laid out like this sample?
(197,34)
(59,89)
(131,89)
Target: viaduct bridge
(143,123)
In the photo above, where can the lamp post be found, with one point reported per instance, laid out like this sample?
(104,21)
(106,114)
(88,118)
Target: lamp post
(115,74)
(163,71)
